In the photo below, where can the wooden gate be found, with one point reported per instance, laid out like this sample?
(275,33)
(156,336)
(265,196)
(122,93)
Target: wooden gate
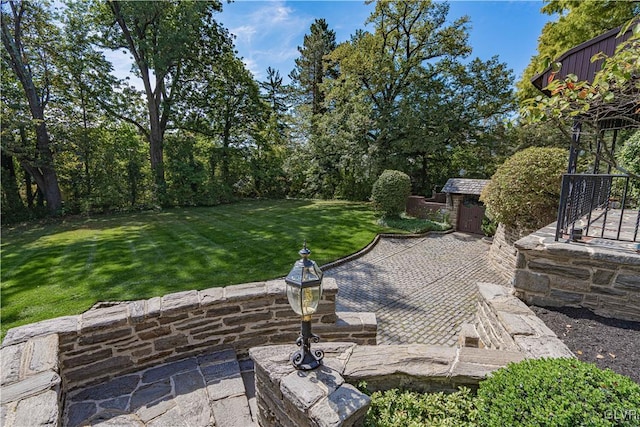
(470,218)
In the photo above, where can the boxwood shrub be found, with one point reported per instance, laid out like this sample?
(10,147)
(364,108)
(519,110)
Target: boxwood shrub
(557,392)
(390,192)
(532,393)
(397,408)
(525,190)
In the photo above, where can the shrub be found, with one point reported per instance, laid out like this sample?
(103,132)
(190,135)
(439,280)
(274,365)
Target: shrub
(396,408)
(525,190)
(629,158)
(557,392)
(390,192)
(489,226)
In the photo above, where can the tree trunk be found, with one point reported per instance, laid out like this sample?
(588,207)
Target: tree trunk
(156,142)
(44,172)
(11,199)
(226,141)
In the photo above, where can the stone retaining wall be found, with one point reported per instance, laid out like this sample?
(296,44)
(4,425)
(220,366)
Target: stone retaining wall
(109,341)
(507,332)
(554,274)
(326,396)
(502,253)
(506,323)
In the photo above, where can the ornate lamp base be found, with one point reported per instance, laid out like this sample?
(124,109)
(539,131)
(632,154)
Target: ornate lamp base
(306,359)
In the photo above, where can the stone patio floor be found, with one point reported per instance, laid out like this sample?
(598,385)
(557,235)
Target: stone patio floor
(421,289)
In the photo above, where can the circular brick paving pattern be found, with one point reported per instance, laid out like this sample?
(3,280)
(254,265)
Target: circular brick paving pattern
(421,289)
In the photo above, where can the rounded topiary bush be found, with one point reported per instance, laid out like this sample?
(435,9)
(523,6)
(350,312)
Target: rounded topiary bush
(390,192)
(524,193)
(557,392)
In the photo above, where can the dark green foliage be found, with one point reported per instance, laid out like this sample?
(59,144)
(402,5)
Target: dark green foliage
(395,408)
(390,192)
(532,393)
(525,190)
(489,226)
(629,159)
(557,392)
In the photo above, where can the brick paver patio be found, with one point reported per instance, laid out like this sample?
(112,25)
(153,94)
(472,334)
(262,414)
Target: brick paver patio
(421,289)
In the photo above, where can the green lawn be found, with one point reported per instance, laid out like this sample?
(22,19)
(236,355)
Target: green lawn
(61,269)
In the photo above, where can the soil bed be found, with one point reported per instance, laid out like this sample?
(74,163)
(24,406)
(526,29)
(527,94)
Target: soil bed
(609,343)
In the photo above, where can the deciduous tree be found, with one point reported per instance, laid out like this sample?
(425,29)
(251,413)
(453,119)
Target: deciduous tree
(162,37)
(30,39)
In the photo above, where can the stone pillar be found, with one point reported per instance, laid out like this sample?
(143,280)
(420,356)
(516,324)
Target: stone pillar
(290,398)
(456,200)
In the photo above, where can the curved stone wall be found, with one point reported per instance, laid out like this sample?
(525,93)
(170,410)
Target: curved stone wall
(113,340)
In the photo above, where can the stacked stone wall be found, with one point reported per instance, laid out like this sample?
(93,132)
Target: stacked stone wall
(557,274)
(503,253)
(327,397)
(109,341)
(504,322)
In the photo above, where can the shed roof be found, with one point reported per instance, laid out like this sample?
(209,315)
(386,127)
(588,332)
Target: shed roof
(465,186)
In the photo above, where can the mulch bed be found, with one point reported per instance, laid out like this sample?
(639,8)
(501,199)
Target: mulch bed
(609,343)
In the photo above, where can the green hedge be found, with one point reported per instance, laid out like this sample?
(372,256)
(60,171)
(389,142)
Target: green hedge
(524,193)
(532,393)
(390,192)
(557,392)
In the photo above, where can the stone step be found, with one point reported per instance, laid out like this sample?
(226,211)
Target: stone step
(198,391)
(248,376)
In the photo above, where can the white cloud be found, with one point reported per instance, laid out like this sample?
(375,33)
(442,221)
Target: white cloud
(267,34)
(253,68)
(244,33)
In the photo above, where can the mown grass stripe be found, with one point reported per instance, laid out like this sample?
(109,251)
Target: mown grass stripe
(60,269)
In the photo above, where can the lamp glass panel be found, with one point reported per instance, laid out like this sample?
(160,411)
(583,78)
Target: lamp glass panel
(303,301)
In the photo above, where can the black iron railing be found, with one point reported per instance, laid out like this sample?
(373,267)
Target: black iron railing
(600,204)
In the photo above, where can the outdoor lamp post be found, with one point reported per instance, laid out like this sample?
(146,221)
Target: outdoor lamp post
(304,289)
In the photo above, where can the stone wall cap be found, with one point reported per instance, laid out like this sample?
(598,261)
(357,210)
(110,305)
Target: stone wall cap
(234,292)
(543,240)
(30,386)
(490,291)
(211,296)
(414,360)
(108,316)
(179,301)
(58,325)
(305,388)
(275,287)
(545,346)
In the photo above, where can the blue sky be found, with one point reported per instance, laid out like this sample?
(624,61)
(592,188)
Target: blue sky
(269,32)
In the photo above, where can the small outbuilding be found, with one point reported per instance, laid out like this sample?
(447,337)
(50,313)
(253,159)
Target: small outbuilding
(463,202)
